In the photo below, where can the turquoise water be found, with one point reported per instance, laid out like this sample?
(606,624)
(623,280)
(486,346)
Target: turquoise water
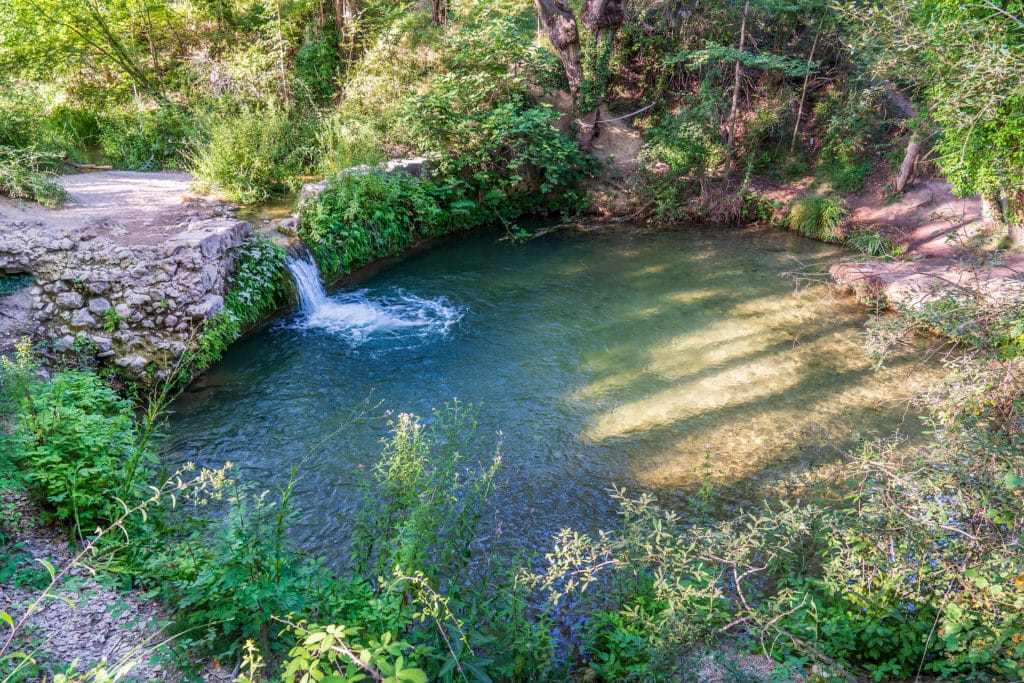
(609,358)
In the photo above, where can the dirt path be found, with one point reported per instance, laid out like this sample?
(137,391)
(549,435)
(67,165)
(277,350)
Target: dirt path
(128,207)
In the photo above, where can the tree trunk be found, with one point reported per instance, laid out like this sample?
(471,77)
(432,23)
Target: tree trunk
(909,161)
(439,11)
(1013,214)
(733,111)
(991,209)
(601,18)
(803,91)
(603,14)
(559,25)
(345,12)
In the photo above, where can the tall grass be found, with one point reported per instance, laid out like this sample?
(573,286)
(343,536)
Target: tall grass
(818,217)
(251,156)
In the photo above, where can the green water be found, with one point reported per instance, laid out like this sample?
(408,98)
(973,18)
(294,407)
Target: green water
(611,358)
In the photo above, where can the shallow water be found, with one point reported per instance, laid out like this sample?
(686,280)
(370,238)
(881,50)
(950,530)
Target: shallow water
(611,358)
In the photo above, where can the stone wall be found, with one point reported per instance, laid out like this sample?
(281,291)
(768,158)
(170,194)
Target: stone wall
(140,304)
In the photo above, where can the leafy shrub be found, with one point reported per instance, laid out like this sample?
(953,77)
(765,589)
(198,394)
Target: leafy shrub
(363,216)
(230,577)
(78,444)
(873,244)
(250,156)
(818,217)
(342,143)
(257,284)
(853,140)
(30,122)
(412,603)
(148,140)
(688,145)
(498,156)
(316,70)
(25,174)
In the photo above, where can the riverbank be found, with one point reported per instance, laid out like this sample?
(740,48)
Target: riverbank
(948,248)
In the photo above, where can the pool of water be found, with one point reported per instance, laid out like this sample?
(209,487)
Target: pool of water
(610,358)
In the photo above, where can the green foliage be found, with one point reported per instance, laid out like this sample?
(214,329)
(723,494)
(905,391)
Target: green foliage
(317,65)
(363,216)
(25,174)
(417,493)
(146,140)
(852,142)
(689,145)
(78,444)
(343,143)
(231,577)
(257,285)
(417,603)
(971,89)
(258,279)
(111,319)
(498,156)
(336,652)
(713,53)
(18,567)
(873,244)
(818,217)
(251,156)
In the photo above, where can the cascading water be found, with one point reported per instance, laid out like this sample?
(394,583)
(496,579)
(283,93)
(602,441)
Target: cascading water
(357,317)
(312,294)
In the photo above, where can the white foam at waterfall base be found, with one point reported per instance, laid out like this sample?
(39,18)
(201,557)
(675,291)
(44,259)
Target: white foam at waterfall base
(361,316)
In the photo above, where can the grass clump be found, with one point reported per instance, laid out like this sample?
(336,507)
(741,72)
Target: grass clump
(818,217)
(873,244)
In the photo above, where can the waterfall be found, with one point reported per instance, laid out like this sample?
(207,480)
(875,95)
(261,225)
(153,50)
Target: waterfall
(394,317)
(307,279)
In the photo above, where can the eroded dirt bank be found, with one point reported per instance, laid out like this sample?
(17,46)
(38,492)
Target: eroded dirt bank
(944,238)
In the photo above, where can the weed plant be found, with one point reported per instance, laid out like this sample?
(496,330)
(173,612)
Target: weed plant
(257,285)
(26,174)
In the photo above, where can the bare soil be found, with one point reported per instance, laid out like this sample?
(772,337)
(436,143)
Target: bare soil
(129,207)
(946,240)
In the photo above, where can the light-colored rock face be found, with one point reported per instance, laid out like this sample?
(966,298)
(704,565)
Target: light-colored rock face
(137,304)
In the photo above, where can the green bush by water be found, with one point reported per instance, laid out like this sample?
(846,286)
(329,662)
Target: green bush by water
(257,285)
(80,448)
(251,156)
(364,216)
(818,217)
